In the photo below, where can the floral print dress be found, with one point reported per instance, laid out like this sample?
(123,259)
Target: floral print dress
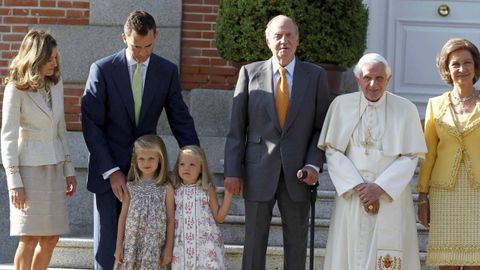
(145,228)
(198,240)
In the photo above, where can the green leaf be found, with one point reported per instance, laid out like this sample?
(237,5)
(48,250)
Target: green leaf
(331,31)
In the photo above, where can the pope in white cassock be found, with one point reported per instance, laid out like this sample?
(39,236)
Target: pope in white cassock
(373,140)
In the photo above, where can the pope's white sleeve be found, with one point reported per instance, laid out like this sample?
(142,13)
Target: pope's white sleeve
(397,175)
(343,173)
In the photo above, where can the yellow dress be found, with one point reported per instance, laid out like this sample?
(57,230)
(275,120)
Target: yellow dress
(454,237)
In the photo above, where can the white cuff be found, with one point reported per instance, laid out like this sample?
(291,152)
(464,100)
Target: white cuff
(317,169)
(107,174)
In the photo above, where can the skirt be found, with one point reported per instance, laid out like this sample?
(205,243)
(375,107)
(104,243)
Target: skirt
(46,210)
(454,237)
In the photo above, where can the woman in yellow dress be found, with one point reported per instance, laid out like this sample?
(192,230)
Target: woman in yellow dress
(449,180)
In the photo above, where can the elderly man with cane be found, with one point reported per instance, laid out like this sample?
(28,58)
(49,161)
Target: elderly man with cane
(277,114)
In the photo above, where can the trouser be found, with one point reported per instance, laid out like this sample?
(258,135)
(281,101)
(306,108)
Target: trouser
(105,220)
(258,216)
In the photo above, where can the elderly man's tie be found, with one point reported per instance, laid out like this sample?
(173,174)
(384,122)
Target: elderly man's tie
(281,97)
(137,91)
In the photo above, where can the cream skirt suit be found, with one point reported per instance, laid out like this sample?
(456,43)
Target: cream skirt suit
(35,156)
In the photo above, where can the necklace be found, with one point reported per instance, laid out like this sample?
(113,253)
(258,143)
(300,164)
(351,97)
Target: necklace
(463,105)
(367,143)
(369,140)
(189,185)
(457,98)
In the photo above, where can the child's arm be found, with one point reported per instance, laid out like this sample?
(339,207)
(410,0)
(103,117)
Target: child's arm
(167,253)
(219,212)
(122,219)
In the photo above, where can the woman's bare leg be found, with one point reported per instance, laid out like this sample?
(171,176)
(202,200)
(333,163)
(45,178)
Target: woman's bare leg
(25,251)
(43,252)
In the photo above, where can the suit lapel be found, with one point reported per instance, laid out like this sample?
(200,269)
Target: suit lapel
(265,77)
(300,83)
(123,83)
(473,119)
(40,102)
(445,118)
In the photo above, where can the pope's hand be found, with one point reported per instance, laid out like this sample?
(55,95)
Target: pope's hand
(369,193)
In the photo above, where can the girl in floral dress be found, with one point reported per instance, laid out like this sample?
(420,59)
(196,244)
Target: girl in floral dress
(146,223)
(198,241)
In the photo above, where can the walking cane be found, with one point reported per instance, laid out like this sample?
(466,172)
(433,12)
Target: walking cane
(302,174)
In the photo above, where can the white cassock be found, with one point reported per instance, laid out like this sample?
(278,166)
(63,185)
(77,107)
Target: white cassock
(377,142)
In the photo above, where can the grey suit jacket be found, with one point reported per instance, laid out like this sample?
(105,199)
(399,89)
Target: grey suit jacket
(257,149)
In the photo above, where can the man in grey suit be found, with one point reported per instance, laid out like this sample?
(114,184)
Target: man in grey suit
(278,110)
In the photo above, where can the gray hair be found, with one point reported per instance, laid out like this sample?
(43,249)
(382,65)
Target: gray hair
(371,58)
(267,30)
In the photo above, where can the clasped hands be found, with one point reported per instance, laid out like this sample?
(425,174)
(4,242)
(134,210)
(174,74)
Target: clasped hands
(369,194)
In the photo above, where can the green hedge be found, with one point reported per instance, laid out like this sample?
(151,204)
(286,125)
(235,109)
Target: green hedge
(331,31)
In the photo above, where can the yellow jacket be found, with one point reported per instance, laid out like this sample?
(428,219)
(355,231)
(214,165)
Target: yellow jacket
(447,147)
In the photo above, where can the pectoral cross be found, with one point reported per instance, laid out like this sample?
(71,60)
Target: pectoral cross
(367,143)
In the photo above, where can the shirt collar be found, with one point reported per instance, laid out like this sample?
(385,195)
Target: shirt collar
(132,62)
(276,66)
(377,104)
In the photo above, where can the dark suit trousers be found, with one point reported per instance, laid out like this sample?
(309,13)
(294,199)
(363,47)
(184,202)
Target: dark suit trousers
(258,216)
(105,220)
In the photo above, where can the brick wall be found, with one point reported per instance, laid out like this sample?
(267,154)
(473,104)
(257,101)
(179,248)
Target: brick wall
(201,66)
(15,18)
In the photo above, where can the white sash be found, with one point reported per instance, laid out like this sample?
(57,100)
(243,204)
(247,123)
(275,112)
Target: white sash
(189,226)
(388,224)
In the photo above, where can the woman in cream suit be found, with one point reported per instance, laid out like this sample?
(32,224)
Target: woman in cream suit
(449,180)
(35,151)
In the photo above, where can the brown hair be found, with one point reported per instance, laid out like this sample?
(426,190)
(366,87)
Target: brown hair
(153,143)
(452,45)
(35,51)
(204,179)
(141,22)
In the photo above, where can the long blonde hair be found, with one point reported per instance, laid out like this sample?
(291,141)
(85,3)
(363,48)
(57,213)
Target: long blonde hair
(152,143)
(204,179)
(35,51)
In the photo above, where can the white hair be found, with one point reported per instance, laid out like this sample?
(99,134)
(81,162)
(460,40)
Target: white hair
(280,17)
(371,58)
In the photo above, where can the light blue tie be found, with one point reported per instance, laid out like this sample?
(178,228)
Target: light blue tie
(137,91)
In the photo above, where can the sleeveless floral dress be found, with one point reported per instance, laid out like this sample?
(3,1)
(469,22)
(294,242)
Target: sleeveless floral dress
(145,229)
(198,240)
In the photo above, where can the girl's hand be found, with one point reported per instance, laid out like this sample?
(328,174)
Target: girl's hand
(234,185)
(165,258)
(118,255)
(71,185)
(227,193)
(18,198)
